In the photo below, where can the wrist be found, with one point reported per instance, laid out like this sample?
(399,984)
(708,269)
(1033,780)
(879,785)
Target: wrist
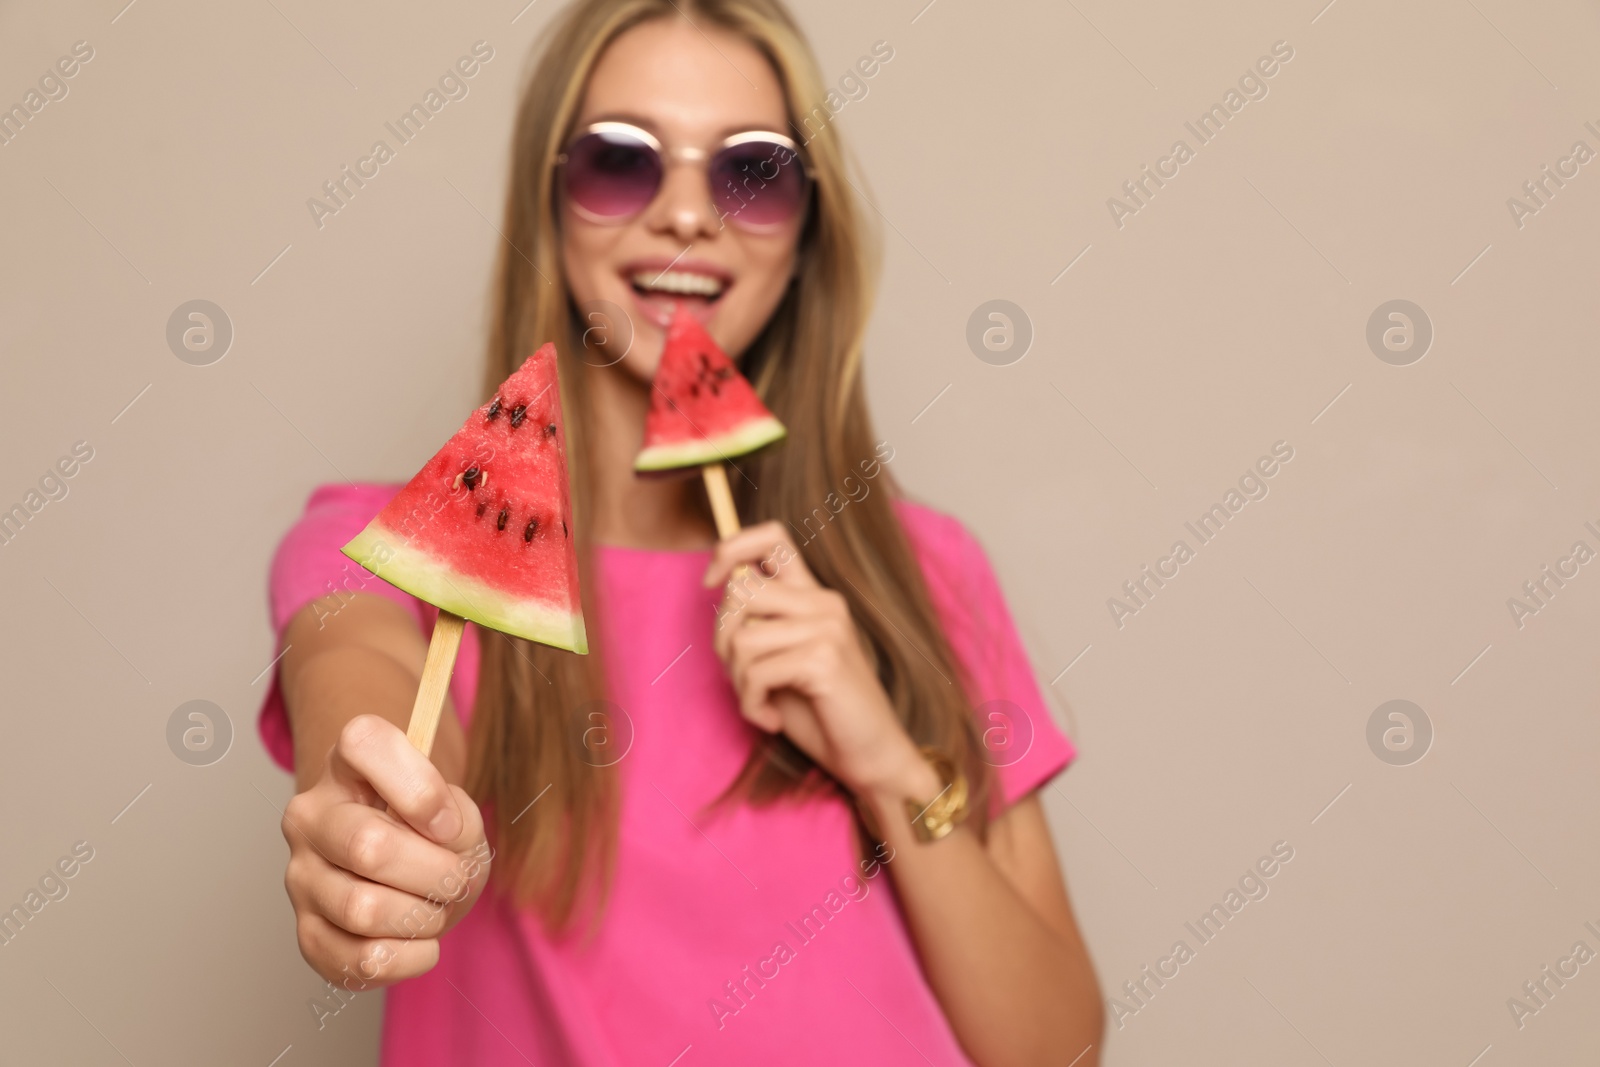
(908,777)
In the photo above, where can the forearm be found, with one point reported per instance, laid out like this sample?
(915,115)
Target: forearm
(326,684)
(991,920)
(1016,989)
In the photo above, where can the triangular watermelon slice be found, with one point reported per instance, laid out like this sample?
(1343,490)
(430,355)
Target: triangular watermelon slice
(484,530)
(702,410)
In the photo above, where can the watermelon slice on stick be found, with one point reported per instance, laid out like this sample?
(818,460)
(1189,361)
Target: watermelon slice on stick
(484,532)
(703,412)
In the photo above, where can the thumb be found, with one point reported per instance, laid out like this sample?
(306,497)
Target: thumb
(372,753)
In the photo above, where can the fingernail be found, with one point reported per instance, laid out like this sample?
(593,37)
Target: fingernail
(446,825)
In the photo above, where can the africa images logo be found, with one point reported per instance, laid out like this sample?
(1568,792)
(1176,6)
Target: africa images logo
(1252,85)
(1252,485)
(1252,887)
(453,85)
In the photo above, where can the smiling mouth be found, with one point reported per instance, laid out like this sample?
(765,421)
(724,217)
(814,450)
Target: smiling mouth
(678,285)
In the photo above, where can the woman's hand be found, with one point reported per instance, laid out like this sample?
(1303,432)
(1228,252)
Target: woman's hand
(800,666)
(384,856)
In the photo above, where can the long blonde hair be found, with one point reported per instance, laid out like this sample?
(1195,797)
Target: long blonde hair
(531,717)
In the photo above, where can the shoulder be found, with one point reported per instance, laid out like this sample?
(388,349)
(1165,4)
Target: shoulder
(952,559)
(330,509)
(339,498)
(929,525)
(308,556)
(1023,742)
(961,581)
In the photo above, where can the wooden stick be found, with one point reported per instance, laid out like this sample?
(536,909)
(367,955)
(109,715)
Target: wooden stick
(722,509)
(727,517)
(435,681)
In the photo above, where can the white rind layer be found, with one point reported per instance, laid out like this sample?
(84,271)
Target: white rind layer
(425,575)
(757,433)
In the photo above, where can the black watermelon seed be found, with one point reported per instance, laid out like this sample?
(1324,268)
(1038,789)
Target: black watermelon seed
(481,509)
(550,430)
(500,523)
(563,527)
(469,477)
(519,413)
(532,528)
(494,409)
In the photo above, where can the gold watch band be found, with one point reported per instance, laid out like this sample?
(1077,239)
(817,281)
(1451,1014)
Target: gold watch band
(939,816)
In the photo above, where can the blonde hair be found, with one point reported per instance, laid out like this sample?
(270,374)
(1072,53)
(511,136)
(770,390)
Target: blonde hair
(530,718)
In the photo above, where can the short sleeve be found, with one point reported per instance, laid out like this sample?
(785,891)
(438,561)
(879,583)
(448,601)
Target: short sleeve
(308,564)
(1021,738)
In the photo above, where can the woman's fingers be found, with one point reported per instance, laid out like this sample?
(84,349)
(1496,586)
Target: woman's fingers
(762,715)
(374,845)
(384,856)
(359,963)
(778,601)
(772,602)
(770,701)
(373,751)
(360,906)
(748,644)
(793,668)
(769,600)
(769,553)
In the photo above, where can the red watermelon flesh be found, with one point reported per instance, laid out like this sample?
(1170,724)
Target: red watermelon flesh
(484,530)
(702,410)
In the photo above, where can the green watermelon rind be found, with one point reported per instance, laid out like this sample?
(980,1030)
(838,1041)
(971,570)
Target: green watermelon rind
(431,578)
(749,436)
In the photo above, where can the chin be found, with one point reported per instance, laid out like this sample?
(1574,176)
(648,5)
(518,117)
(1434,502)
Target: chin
(644,357)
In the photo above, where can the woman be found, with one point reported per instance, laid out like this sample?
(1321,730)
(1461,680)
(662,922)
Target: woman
(713,839)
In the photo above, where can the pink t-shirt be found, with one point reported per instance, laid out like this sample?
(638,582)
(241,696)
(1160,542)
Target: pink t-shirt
(749,937)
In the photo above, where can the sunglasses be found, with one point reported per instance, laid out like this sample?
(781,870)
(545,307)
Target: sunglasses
(612,171)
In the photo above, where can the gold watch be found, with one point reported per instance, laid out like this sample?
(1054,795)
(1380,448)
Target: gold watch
(939,816)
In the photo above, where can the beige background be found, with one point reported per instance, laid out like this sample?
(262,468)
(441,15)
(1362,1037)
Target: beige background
(1226,315)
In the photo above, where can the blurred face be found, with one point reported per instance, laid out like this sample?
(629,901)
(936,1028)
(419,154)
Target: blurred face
(681,86)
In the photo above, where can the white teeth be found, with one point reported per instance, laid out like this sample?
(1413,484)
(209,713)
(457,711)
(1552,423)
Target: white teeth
(681,282)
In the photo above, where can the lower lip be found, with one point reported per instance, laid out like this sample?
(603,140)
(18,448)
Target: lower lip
(658,307)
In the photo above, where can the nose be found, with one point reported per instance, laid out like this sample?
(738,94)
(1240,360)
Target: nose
(682,208)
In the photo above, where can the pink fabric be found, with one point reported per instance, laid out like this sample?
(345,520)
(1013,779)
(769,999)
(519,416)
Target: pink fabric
(700,905)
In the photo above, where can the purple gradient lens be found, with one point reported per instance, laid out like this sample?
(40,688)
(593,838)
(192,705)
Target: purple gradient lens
(758,183)
(611,174)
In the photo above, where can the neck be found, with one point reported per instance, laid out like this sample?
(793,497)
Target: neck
(661,511)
